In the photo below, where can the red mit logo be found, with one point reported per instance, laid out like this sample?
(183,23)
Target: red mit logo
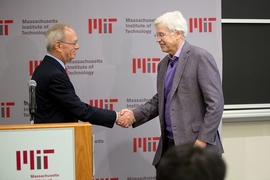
(32,66)
(148,65)
(146,144)
(4,26)
(34,160)
(203,24)
(103,103)
(5,109)
(102,25)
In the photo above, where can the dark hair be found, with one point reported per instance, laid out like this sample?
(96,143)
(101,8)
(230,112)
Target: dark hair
(191,163)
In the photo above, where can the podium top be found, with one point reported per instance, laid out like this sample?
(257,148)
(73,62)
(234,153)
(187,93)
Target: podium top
(46,125)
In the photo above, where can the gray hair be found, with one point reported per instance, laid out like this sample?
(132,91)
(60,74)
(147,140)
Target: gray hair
(55,33)
(174,22)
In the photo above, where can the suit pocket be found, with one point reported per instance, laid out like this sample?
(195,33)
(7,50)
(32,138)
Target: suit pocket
(196,126)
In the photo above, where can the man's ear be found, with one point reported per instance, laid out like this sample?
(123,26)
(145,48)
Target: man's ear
(57,45)
(179,34)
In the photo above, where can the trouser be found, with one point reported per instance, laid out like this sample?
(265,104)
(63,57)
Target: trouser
(167,144)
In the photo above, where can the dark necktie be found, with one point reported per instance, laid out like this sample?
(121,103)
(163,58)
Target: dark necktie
(172,63)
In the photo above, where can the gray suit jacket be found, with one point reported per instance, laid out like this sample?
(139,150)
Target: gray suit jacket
(196,104)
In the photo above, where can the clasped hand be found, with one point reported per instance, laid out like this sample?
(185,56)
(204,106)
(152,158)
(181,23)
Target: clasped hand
(125,118)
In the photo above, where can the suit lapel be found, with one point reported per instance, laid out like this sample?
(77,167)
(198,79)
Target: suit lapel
(161,82)
(54,62)
(182,60)
(162,73)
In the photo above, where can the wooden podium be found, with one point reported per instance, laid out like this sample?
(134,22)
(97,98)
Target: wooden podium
(46,151)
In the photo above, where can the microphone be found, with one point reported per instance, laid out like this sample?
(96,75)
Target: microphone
(32,99)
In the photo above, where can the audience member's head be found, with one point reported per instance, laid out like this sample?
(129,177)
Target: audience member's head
(191,163)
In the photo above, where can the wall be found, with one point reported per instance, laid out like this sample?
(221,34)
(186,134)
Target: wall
(246,140)
(247,146)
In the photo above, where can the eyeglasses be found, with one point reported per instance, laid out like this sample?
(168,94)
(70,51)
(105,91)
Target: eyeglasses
(160,35)
(73,44)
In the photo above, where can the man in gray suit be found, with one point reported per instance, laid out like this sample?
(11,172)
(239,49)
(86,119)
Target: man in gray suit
(189,99)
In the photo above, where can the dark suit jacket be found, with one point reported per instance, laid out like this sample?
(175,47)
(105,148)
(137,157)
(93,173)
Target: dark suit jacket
(57,101)
(196,103)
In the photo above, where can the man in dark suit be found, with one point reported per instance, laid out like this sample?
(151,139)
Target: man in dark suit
(55,95)
(189,99)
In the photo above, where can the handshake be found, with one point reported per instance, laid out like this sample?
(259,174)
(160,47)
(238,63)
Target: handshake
(125,118)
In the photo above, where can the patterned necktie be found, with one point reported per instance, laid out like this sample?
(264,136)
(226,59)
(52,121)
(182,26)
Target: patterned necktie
(66,71)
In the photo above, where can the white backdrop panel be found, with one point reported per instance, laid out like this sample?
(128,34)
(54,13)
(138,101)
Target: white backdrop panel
(103,67)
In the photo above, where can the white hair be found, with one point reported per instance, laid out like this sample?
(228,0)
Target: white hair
(55,33)
(174,22)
